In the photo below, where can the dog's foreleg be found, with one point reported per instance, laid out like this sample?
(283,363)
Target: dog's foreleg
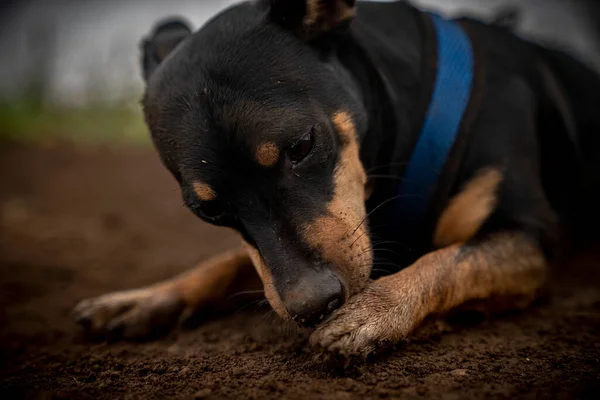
(502,266)
(208,289)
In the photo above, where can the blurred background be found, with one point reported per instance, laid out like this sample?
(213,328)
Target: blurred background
(69,68)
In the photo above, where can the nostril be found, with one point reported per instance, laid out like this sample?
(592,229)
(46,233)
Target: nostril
(334,305)
(310,306)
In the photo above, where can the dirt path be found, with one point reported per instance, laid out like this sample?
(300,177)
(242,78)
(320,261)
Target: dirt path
(78,223)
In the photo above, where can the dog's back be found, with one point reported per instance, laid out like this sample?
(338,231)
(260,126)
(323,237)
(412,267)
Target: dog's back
(567,99)
(567,120)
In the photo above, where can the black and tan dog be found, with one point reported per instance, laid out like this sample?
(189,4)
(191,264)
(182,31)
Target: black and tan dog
(293,121)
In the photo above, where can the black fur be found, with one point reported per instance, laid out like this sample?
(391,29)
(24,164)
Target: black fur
(247,77)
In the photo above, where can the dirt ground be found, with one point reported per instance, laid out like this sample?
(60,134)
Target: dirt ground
(77,223)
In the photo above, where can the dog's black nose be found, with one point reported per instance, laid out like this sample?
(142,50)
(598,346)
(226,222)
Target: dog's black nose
(312,301)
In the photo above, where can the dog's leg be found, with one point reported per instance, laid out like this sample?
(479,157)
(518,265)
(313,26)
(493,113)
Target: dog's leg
(140,313)
(502,266)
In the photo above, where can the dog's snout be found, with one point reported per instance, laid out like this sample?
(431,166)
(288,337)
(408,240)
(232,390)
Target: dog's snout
(313,300)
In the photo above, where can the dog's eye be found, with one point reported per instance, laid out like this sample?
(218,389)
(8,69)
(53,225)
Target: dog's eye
(302,148)
(212,209)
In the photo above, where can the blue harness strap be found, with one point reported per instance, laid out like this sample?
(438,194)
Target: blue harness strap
(449,100)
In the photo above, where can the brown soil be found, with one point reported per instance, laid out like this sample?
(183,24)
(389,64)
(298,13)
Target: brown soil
(78,223)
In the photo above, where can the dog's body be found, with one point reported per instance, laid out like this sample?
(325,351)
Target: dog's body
(279,121)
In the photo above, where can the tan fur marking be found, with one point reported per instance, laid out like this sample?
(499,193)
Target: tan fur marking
(469,209)
(312,12)
(206,290)
(346,14)
(341,236)
(267,280)
(509,266)
(212,281)
(325,17)
(267,154)
(204,191)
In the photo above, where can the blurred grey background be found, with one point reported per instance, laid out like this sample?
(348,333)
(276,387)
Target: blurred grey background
(66,53)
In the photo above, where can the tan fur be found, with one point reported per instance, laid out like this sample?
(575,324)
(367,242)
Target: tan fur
(205,289)
(267,280)
(347,13)
(339,236)
(469,209)
(321,17)
(267,154)
(312,12)
(204,191)
(212,280)
(506,266)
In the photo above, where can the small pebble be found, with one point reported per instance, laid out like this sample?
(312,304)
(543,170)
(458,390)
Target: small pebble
(460,372)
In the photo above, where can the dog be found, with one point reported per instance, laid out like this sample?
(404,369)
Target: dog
(297,123)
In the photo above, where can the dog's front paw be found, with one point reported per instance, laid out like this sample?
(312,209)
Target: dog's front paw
(131,314)
(374,319)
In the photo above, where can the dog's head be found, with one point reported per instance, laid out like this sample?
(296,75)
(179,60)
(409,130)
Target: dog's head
(259,122)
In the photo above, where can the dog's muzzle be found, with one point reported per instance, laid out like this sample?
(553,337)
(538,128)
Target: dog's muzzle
(314,297)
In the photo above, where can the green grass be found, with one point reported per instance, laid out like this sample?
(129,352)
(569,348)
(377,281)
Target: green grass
(22,122)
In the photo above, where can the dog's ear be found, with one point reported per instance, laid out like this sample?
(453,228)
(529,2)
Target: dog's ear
(166,36)
(310,19)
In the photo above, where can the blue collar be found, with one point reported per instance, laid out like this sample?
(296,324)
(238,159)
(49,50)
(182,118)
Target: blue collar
(450,97)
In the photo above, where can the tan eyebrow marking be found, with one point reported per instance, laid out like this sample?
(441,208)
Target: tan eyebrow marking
(267,154)
(339,235)
(344,125)
(204,191)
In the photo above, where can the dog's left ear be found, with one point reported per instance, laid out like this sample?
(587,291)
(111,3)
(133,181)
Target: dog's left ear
(166,36)
(310,19)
